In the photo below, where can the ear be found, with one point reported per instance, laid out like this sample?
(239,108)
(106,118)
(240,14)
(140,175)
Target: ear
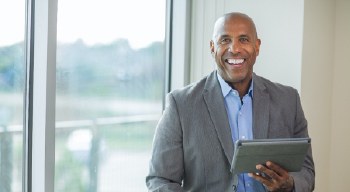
(257,46)
(212,48)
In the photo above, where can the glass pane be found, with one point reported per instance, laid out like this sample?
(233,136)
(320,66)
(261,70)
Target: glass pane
(109,91)
(12,77)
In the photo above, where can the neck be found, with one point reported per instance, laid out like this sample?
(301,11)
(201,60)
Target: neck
(241,87)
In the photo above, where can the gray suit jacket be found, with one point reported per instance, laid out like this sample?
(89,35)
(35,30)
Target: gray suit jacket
(193,148)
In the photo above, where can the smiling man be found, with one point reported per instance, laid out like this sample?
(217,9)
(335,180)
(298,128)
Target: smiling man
(193,143)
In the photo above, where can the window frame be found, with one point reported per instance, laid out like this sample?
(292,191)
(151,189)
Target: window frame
(178,42)
(39,123)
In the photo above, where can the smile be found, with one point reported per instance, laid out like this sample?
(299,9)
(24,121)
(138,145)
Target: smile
(234,61)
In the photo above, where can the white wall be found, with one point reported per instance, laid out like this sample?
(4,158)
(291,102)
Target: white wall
(340,129)
(326,95)
(317,80)
(305,44)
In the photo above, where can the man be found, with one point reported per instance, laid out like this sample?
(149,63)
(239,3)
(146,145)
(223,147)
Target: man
(193,144)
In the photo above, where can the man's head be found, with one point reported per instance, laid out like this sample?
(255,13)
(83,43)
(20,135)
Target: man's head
(235,46)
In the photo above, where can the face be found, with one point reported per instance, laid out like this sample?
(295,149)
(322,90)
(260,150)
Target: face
(235,47)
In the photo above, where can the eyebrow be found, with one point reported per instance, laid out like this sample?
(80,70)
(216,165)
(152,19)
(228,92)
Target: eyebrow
(246,36)
(223,36)
(219,37)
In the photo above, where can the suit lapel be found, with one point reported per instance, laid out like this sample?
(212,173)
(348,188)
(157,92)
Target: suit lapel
(261,108)
(216,106)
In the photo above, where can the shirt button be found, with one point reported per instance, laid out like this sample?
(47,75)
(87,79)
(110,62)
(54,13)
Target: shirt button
(234,187)
(243,137)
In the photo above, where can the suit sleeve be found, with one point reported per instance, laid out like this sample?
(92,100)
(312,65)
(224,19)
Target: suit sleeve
(304,181)
(166,165)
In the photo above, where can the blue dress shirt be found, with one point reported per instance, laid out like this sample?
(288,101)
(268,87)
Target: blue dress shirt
(240,116)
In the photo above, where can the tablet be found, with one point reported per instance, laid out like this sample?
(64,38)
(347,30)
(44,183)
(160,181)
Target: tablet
(288,153)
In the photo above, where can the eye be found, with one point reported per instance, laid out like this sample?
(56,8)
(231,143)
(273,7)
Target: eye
(225,41)
(244,39)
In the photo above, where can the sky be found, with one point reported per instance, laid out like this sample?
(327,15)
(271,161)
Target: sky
(93,21)
(12,19)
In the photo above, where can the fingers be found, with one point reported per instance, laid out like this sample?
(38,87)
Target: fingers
(276,168)
(260,177)
(268,178)
(274,177)
(269,172)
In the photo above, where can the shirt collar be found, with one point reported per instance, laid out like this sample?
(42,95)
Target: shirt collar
(226,88)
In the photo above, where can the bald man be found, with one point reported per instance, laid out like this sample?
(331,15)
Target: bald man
(193,143)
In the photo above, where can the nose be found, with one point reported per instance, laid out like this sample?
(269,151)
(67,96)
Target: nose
(235,47)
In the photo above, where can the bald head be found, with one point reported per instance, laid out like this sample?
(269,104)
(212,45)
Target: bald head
(232,17)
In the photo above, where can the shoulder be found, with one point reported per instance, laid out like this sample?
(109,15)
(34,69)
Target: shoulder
(283,101)
(195,90)
(273,88)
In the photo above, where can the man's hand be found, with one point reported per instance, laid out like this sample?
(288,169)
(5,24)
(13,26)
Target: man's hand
(275,178)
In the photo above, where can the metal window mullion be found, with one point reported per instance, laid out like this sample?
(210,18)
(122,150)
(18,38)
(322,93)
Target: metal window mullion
(28,97)
(40,96)
(168,49)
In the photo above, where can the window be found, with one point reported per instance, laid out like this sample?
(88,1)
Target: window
(109,92)
(12,78)
(106,93)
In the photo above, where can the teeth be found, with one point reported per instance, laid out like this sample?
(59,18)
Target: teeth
(235,61)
